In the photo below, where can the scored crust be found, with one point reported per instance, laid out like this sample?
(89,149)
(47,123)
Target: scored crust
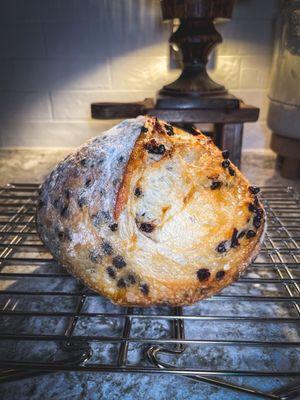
(150,214)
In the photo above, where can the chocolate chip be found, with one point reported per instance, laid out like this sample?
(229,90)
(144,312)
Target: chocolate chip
(144,129)
(121,283)
(215,185)
(107,248)
(64,211)
(88,182)
(250,234)
(144,288)
(225,154)
(83,162)
(120,159)
(131,279)
(113,227)
(193,131)
(169,129)
(203,274)
(155,148)
(231,171)
(225,163)
(256,202)
(137,192)
(241,234)
(220,275)
(95,256)
(234,241)
(221,247)
(253,189)
(119,262)
(111,272)
(62,235)
(146,227)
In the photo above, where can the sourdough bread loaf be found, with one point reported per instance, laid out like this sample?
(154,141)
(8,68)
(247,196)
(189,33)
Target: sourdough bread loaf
(147,213)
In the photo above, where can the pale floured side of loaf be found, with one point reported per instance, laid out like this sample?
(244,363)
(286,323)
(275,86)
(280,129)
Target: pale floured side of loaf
(149,214)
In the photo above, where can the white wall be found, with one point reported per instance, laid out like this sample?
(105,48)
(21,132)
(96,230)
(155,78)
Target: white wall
(58,56)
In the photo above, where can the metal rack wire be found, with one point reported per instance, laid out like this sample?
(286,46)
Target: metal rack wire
(245,338)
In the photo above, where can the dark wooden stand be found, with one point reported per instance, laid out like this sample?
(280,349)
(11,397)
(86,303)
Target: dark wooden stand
(288,153)
(194,98)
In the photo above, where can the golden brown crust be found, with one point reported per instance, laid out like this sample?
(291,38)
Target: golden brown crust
(178,225)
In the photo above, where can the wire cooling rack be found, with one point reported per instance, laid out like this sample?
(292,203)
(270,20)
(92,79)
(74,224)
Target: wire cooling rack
(245,338)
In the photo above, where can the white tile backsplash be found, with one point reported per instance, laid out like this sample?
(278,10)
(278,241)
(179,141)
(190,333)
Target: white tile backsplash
(58,56)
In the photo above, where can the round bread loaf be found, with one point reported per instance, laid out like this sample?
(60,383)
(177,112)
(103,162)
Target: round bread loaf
(149,214)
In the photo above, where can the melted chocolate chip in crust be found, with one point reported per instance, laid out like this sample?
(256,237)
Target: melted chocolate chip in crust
(121,283)
(155,148)
(221,247)
(169,129)
(111,272)
(147,227)
(250,234)
(215,185)
(220,275)
(88,182)
(144,288)
(144,129)
(231,171)
(193,131)
(64,235)
(113,227)
(83,162)
(138,192)
(203,274)
(120,159)
(64,212)
(107,248)
(119,262)
(253,189)
(234,241)
(225,163)
(225,154)
(256,202)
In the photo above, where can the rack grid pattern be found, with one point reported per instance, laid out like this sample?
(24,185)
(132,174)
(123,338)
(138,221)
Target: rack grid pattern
(246,338)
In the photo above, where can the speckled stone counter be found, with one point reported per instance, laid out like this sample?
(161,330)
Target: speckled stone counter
(31,165)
